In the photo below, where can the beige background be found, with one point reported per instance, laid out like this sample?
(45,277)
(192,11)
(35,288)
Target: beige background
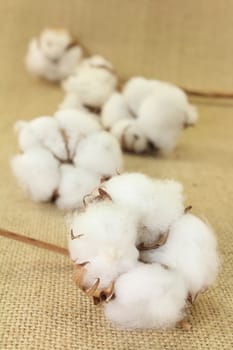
(188,42)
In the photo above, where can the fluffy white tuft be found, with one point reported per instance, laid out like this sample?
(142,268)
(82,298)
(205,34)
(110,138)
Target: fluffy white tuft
(100,152)
(93,82)
(107,242)
(157,203)
(74,184)
(77,124)
(37,172)
(114,110)
(191,249)
(148,296)
(42,132)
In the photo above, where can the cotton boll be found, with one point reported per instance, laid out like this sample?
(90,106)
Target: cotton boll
(92,83)
(54,55)
(135,91)
(42,132)
(100,153)
(161,118)
(74,185)
(113,110)
(37,172)
(130,136)
(191,249)
(157,203)
(107,234)
(77,124)
(148,296)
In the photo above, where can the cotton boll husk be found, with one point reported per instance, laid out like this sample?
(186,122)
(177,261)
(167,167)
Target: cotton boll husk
(162,118)
(92,83)
(77,125)
(191,249)
(114,109)
(130,136)
(99,152)
(148,296)
(37,172)
(157,203)
(74,184)
(107,242)
(41,132)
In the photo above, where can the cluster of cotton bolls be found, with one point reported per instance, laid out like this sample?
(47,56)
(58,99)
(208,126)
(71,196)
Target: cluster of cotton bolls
(64,157)
(139,251)
(148,115)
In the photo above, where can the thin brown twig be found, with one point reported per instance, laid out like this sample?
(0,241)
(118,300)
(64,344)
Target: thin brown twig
(34,242)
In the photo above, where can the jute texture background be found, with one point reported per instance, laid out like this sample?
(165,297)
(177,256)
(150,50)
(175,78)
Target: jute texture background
(189,43)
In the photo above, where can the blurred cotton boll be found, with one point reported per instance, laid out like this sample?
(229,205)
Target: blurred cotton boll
(93,83)
(54,55)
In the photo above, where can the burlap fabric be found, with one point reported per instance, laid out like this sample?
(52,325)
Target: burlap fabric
(40,307)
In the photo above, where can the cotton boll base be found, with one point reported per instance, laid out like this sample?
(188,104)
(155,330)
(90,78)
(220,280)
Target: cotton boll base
(191,249)
(148,296)
(129,135)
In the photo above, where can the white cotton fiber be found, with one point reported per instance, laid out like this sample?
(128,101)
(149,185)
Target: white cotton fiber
(71,101)
(74,184)
(157,203)
(100,152)
(191,249)
(93,83)
(54,55)
(77,124)
(162,117)
(129,135)
(41,132)
(107,242)
(135,91)
(148,296)
(114,109)
(37,172)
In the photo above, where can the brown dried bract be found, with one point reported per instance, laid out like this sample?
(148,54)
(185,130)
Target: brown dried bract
(187,209)
(73,236)
(160,241)
(99,295)
(185,325)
